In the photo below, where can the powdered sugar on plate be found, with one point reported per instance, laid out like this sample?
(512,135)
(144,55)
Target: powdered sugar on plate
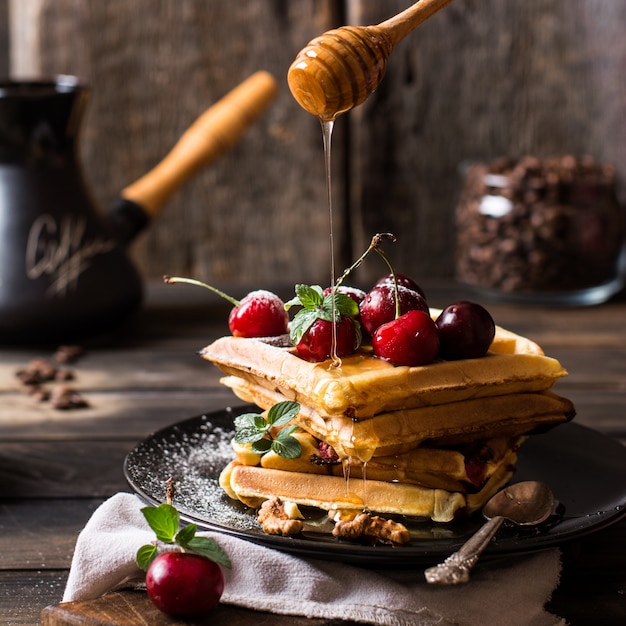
(192,453)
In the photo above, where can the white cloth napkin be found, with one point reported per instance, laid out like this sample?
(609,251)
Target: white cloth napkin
(509,592)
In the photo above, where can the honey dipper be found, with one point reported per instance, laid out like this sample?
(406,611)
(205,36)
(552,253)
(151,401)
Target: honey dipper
(339,69)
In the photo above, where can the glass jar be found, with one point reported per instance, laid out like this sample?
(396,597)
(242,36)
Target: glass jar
(548,231)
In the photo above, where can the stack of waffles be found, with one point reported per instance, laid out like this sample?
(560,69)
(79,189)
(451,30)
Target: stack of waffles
(433,441)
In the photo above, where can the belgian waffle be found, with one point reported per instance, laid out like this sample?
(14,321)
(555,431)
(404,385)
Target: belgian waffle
(364,385)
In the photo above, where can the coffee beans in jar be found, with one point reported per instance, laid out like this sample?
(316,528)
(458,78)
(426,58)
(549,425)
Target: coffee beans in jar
(548,230)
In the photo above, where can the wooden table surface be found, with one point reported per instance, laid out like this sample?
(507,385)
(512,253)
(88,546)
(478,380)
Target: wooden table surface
(57,466)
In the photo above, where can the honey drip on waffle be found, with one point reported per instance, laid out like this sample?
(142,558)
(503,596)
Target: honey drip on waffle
(351,496)
(364,479)
(345,465)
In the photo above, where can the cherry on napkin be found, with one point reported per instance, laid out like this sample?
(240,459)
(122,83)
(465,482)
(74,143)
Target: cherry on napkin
(507,592)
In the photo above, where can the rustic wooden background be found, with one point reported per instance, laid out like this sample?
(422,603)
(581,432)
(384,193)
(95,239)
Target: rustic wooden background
(480,79)
(4,38)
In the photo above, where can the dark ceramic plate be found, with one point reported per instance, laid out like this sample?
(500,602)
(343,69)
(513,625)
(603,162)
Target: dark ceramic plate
(585,469)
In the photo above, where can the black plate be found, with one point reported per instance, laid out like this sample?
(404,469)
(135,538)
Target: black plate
(585,469)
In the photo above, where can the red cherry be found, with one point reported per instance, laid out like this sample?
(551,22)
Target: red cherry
(379,305)
(401,279)
(316,344)
(466,330)
(411,339)
(182,584)
(259,314)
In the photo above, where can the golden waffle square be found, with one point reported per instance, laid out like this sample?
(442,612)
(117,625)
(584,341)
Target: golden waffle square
(395,432)
(252,485)
(463,468)
(364,385)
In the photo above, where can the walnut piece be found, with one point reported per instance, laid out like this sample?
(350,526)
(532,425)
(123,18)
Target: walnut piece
(275,520)
(374,527)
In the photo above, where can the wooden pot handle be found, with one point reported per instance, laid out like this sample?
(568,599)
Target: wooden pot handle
(214,132)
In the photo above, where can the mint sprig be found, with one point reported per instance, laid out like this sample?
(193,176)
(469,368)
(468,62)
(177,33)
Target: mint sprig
(164,520)
(255,429)
(315,305)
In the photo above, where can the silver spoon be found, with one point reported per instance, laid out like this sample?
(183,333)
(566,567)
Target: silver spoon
(525,504)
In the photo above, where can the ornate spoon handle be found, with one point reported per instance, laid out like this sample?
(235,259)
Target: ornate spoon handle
(456,568)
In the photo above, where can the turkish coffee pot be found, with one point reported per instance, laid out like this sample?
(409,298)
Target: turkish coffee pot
(65,273)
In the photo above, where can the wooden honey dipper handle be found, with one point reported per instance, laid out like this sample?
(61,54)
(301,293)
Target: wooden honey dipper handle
(339,69)
(400,25)
(214,132)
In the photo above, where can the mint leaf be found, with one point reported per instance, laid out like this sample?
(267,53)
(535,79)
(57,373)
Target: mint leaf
(300,324)
(306,296)
(325,310)
(164,520)
(282,413)
(287,448)
(261,446)
(145,555)
(250,427)
(286,445)
(249,434)
(287,432)
(345,305)
(249,420)
(310,296)
(316,305)
(256,430)
(210,549)
(185,534)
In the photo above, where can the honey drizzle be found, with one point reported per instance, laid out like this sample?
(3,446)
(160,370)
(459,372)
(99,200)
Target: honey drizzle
(346,464)
(364,479)
(327,133)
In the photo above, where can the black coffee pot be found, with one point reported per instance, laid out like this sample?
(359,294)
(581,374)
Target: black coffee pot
(65,274)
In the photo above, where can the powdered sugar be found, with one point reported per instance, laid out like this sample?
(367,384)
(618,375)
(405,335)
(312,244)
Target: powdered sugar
(193,454)
(265,296)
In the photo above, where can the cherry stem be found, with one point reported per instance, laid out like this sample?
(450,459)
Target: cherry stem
(374,245)
(191,281)
(393,273)
(170,490)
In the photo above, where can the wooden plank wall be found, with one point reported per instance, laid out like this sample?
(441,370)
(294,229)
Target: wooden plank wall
(480,79)
(4,38)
